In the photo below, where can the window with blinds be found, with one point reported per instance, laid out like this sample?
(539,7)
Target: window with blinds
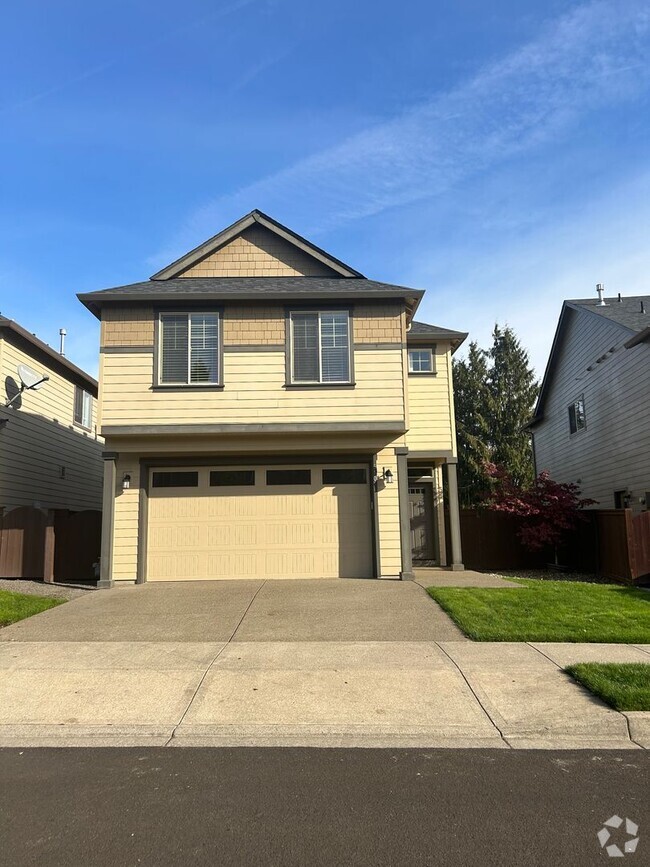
(189,348)
(320,347)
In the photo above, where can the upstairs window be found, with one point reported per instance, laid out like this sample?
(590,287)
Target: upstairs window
(83,408)
(577,419)
(320,347)
(189,349)
(420,361)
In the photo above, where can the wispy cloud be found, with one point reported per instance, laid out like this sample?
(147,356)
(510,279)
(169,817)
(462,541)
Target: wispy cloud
(590,57)
(124,57)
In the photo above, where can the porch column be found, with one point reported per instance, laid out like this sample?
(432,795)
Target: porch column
(404,517)
(108,521)
(454,517)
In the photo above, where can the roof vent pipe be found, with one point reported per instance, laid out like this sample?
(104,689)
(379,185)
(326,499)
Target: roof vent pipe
(62,334)
(600,288)
(620,299)
(642,306)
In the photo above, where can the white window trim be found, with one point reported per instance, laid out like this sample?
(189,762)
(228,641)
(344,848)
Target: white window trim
(421,372)
(578,430)
(320,381)
(218,383)
(86,403)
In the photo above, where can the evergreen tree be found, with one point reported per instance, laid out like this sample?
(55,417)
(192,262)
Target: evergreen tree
(494,393)
(472,400)
(513,392)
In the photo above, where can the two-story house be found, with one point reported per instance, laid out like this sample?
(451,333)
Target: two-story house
(50,455)
(592,421)
(271,413)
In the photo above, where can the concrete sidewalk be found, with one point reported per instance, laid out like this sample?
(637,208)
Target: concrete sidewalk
(314,693)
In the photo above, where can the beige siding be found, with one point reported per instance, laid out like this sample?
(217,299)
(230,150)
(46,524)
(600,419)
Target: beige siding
(390,554)
(40,443)
(132,326)
(431,425)
(611,453)
(253,325)
(258,252)
(254,381)
(125,533)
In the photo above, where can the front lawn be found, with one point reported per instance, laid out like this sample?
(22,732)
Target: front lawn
(549,611)
(17,606)
(623,685)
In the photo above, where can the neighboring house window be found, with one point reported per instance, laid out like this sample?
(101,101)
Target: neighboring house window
(420,361)
(320,347)
(83,408)
(577,415)
(189,349)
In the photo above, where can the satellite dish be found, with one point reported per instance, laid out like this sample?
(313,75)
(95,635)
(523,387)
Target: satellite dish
(29,378)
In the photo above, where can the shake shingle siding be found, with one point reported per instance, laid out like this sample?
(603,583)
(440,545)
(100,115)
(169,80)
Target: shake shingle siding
(613,451)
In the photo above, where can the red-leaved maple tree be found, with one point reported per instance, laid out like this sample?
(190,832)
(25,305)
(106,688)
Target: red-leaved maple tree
(547,509)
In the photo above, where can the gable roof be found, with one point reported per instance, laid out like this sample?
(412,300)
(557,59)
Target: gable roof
(305,289)
(631,314)
(45,354)
(422,332)
(174,269)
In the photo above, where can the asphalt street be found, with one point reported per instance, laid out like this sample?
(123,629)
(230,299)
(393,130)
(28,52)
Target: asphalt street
(314,807)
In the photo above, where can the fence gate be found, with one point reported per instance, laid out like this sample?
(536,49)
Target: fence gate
(26,544)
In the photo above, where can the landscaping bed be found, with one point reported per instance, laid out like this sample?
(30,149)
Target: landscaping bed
(549,611)
(17,606)
(622,685)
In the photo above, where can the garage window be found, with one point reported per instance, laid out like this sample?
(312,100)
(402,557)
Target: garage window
(320,347)
(345,476)
(288,477)
(189,349)
(182,479)
(232,478)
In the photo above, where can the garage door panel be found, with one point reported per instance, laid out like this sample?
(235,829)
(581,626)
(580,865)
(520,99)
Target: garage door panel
(272,531)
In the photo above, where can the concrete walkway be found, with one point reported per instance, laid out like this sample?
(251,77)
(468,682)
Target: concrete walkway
(463,578)
(372,694)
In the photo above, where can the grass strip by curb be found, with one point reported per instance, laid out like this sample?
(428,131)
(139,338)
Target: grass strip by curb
(18,606)
(623,685)
(549,611)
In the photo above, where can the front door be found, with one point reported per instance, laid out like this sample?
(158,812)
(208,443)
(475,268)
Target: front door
(423,540)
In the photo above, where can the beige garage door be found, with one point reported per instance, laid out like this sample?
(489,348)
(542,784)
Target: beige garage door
(259,522)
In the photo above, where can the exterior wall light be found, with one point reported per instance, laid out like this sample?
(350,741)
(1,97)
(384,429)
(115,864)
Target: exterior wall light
(126,482)
(386,477)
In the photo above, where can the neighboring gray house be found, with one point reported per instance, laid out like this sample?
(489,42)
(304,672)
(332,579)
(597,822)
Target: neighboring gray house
(592,421)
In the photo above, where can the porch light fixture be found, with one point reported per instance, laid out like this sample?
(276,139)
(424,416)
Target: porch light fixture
(126,482)
(386,476)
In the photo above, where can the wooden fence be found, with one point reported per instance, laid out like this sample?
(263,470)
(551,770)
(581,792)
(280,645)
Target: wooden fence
(54,545)
(613,543)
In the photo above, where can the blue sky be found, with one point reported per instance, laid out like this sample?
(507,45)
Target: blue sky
(494,153)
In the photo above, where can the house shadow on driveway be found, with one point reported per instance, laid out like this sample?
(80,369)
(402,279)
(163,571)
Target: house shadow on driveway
(221,611)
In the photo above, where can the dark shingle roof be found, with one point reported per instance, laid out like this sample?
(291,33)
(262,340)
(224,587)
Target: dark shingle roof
(248,288)
(422,332)
(628,312)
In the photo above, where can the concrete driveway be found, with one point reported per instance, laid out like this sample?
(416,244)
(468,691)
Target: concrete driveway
(222,611)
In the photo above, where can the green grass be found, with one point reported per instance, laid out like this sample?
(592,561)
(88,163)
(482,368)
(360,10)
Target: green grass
(17,606)
(549,611)
(623,685)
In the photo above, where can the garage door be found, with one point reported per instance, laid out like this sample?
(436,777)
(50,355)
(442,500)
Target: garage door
(259,522)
